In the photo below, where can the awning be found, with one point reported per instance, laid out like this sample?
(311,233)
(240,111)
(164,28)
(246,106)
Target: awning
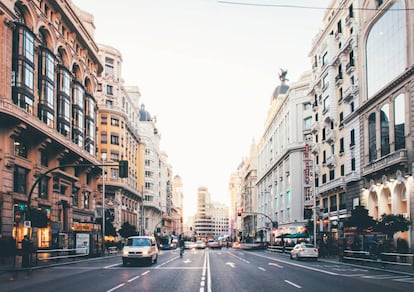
(297,235)
(285,235)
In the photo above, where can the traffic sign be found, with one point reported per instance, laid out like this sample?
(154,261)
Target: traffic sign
(27,224)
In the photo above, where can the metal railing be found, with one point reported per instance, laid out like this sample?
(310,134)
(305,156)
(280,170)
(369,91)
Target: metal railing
(384,258)
(60,254)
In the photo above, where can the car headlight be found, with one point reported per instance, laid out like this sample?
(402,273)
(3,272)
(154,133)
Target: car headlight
(124,252)
(145,253)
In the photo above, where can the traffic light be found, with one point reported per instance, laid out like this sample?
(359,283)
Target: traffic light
(239,212)
(123,168)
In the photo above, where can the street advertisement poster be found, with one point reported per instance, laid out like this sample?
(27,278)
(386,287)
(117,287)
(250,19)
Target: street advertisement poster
(82,243)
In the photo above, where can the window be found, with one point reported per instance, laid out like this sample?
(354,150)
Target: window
(334,207)
(114,122)
(86,196)
(399,122)
(353,165)
(339,26)
(109,66)
(114,156)
(351,11)
(372,137)
(352,134)
(326,103)
(20,180)
(341,145)
(308,123)
(75,197)
(104,120)
(386,48)
(307,106)
(114,139)
(385,130)
(109,90)
(44,160)
(20,148)
(43,187)
(342,170)
(104,138)
(324,59)
(324,156)
(341,117)
(332,174)
(325,82)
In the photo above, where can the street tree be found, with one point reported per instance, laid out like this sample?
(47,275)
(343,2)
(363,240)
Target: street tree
(390,224)
(127,230)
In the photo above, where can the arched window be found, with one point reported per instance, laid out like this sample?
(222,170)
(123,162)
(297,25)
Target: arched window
(385,130)
(385,48)
(372,134)
(399,122)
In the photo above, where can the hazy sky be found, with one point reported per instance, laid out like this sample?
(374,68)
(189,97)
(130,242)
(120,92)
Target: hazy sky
(207,69)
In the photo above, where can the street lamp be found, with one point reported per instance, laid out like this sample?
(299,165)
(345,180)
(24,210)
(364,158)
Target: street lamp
(103,156)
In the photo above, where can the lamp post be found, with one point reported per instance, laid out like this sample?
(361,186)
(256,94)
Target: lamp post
(103,202)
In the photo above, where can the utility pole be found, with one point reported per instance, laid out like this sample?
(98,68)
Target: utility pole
(142,210)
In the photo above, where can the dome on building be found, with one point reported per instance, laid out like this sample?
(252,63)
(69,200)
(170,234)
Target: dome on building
(144,115)
(283,87)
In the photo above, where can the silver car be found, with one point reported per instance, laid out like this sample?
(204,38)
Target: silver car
(304,250)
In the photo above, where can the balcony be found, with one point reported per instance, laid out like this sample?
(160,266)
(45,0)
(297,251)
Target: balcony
(315,148)
(398,157)
(349,19)
(315,106)
(339,79)
(315,127)
(350,93)
(350,67)
(330,136)
(338,183)
(331,161)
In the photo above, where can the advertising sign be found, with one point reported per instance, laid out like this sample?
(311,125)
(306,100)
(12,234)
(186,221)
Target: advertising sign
(82,243)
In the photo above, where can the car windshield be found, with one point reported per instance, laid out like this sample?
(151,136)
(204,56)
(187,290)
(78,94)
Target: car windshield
(308,245)
(138,242)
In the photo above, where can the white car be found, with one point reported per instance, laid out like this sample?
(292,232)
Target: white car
(140,249)
(304,250)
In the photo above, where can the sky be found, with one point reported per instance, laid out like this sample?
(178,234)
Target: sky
(207,70)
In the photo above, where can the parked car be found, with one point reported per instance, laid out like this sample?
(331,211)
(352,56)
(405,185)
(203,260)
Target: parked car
(140,249)
(213,244)
(304,250)
(200,244)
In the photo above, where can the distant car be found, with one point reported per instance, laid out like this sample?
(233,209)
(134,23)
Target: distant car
(213,244)
(304,250)
(200,245)
(139,249)
(189,245)
(235,244)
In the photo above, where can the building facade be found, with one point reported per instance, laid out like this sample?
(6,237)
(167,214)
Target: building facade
(335,99)
(282,194)
(386,109)
(49,67)
(118,139)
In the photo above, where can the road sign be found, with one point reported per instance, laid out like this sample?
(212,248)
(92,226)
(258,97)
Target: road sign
(27,224)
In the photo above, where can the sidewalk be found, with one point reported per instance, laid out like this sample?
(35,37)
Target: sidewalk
(380,266)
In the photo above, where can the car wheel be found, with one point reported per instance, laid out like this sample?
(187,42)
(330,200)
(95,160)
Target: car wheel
(156,259)
(124,262)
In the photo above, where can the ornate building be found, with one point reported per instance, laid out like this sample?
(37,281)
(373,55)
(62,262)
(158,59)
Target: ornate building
(49,66)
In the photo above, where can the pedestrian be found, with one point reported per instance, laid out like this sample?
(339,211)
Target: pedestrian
(26,249)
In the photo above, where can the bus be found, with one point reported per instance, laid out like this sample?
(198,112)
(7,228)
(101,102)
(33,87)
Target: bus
(167,242)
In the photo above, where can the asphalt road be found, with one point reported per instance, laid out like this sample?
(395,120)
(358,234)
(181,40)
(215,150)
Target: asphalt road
(209,270)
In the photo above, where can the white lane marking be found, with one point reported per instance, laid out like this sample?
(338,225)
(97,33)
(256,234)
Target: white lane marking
(262,269)
(230,264)
(293,284)
(110,266)
(133,279)
(408,280)
(276,265)
(384,277)
(144,273)
(208,274)
(239,258)
(203,274)
(116,287)
(186,261)
(297,265)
